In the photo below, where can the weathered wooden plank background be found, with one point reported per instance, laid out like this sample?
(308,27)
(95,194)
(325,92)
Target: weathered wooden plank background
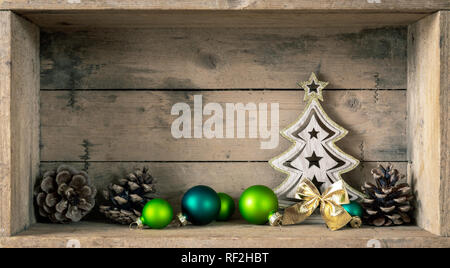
(106,97)
(136,125)
(224,58)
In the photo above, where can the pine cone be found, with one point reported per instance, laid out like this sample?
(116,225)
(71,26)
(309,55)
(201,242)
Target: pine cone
(128,196)
(65,195)
(388,202)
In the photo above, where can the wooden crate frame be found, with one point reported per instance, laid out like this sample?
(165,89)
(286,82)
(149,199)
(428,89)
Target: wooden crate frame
(428,121)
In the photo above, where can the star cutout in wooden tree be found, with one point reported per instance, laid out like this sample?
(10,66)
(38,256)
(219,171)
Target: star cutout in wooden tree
(313,87)
(313,134)
(314,160)
(317,183)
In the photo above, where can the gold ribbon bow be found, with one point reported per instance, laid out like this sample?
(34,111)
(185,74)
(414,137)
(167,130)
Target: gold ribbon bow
(330,201)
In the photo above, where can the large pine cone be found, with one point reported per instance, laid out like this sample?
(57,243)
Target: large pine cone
(128,196)
(388,202)
(65,195)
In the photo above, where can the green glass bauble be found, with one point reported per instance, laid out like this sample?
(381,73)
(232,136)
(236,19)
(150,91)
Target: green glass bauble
(227,207)
(157,213)
(257,203)
(200,205)
(354,209)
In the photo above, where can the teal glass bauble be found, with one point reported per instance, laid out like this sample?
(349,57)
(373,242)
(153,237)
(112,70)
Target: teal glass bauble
(157,213)
(200,205)
(227,207)
(353,208)
(257,203)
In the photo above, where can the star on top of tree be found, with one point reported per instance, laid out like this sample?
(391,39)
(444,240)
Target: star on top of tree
(313,87)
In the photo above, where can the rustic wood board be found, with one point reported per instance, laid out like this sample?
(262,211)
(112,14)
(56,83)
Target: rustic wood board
(232,234)
(428,117)
(25,118)
(223,58)
(136,125)
(19,137)
(174,179)
(5,130)
(320,5)
(82,20)
(445,122)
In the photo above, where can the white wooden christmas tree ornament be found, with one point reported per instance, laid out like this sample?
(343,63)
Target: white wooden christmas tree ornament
(313,154)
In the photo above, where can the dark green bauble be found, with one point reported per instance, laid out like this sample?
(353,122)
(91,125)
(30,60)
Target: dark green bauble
(227,207)
(157,213)
(354,209)
(200,205)
(257,203)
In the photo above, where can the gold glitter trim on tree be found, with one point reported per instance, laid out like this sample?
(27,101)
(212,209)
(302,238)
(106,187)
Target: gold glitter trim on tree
(311,92)
(318,148)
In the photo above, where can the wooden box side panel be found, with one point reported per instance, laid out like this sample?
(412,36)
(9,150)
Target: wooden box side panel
(24,118)
(5,130)
(144,19)
(428,120)
(20,121)
(445,122)
(318,5)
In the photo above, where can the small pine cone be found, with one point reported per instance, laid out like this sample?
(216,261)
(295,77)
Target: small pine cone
(128,196)
(388,203)
(65,195)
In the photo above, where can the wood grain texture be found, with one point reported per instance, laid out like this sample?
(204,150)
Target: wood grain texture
(428,120)
(223,58)
(81,20)
(136,125)
(445,122)
(25,118)
(5,130)
(320,5)
(232,234)
(19,89)
(174,179)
